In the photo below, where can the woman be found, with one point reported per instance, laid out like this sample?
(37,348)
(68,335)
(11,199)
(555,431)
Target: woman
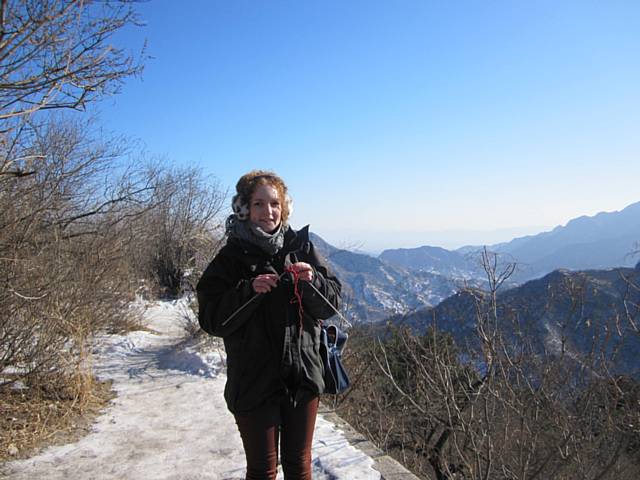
(250,296)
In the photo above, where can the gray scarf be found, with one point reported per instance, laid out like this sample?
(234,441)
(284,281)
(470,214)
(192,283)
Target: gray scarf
(271,243)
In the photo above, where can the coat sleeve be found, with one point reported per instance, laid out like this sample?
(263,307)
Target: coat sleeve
(326,283)
(225,300)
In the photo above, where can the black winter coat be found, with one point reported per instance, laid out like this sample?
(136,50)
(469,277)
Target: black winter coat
(267,357)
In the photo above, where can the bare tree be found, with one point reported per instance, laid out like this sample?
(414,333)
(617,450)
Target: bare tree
(61,249)
(66,198)
(57,53)
(178,237)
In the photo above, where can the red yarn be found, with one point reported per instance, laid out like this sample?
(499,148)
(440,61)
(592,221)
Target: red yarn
(297,296)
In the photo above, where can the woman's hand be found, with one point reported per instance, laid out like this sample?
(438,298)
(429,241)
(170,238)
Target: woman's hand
(265,282)
(305,271)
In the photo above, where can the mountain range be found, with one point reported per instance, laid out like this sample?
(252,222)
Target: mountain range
(605,240)
(374,289)
(400,281)
(580,313)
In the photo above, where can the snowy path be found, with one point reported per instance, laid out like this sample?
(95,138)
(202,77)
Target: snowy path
(169,420)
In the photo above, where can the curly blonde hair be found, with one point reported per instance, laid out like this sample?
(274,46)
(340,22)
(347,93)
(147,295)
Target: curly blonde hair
(249,182)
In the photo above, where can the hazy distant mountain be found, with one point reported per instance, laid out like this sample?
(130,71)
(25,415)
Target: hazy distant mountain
(602,241)
(576,311)
(432,259)
(374,289)
(402,280)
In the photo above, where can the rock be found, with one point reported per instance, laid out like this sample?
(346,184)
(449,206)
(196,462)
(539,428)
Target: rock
(13,450)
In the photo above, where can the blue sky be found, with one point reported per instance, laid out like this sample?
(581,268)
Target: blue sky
(398,123)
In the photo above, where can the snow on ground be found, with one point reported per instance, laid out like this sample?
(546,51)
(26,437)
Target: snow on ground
(169,420)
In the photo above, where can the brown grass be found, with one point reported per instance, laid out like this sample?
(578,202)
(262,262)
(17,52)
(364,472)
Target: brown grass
(30,421)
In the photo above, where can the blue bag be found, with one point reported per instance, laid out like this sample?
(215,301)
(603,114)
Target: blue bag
(332,342)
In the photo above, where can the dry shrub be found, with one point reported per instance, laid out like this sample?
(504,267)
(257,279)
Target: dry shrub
(65,277)
(443,419)
(76,234)
(65,272)
(175,240)
(80,221)
(497,407)
(30,420)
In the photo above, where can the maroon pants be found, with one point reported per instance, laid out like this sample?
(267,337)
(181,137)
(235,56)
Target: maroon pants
(260,431)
